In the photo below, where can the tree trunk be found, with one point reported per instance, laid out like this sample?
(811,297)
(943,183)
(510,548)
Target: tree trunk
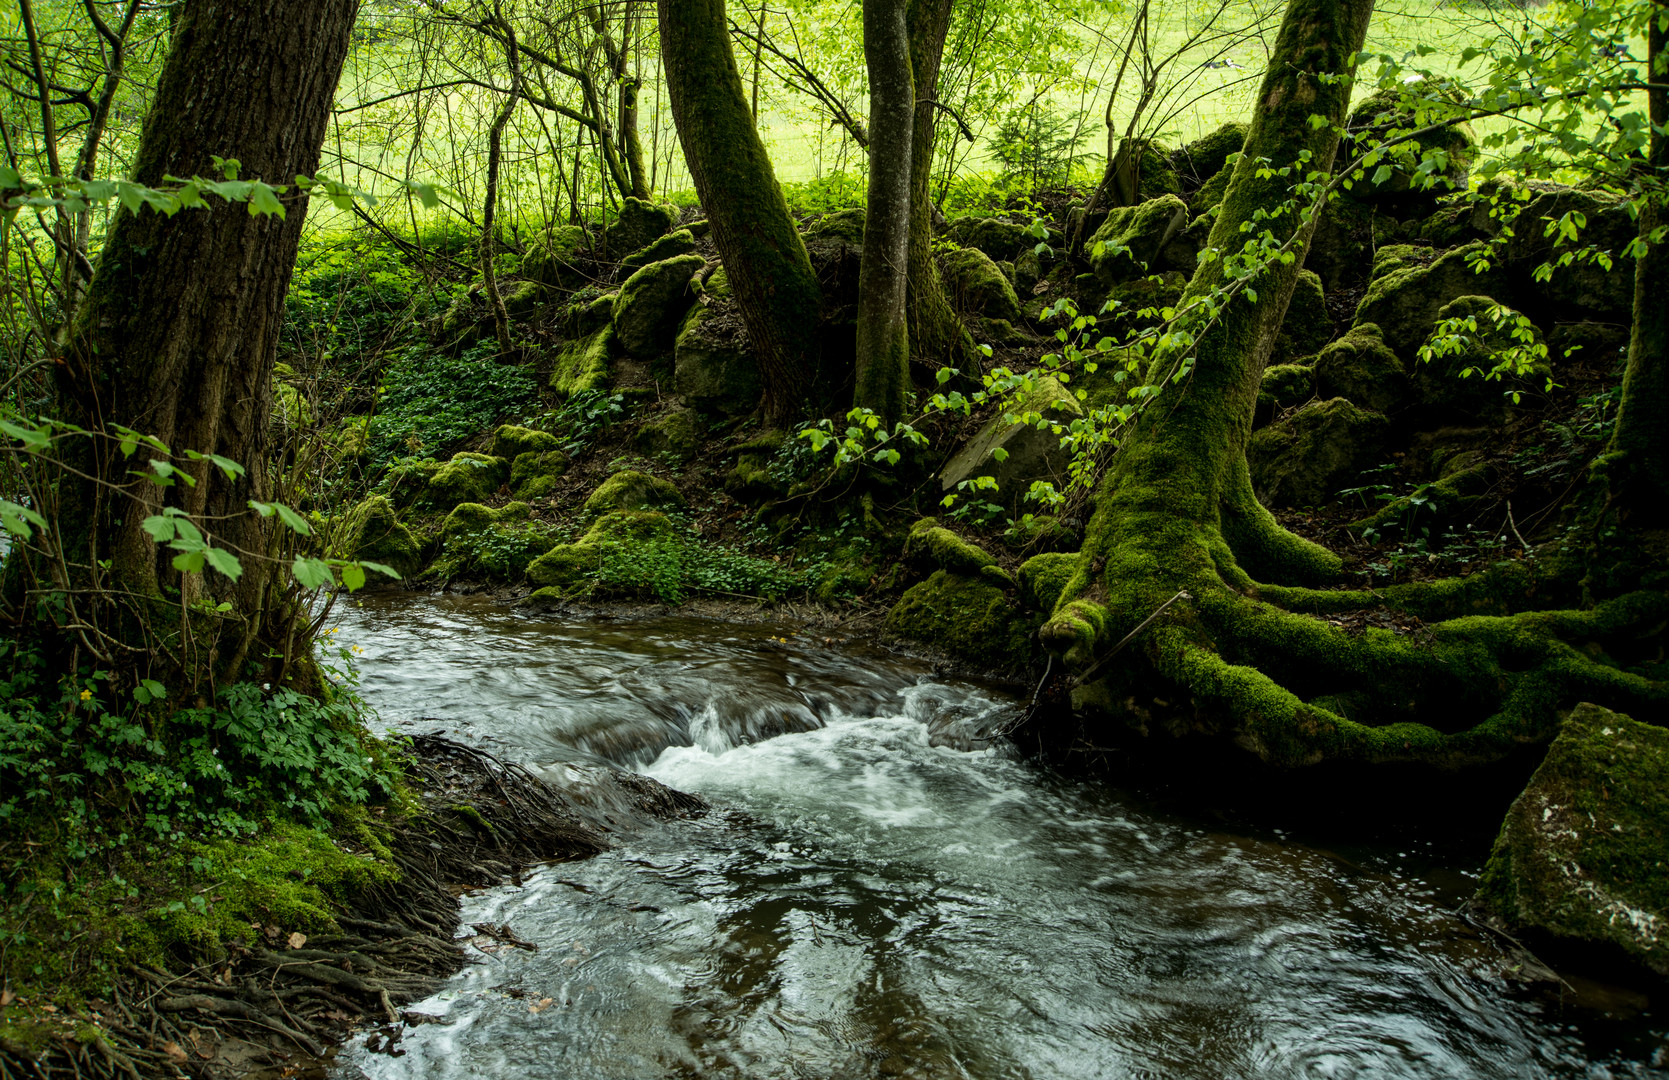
(180,329)
(883,377)
(937,335)
(764,257)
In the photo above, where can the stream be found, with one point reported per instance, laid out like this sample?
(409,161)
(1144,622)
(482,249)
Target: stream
(879,892)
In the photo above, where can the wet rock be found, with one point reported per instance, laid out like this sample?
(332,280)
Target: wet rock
(1033,453)
(633,490)
(651,304)
(970,618)
(1302,459)
(374,533)
(1132,237)
(975,284)
(1582,853)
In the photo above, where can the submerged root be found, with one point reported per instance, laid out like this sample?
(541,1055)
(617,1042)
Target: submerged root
(252,1005)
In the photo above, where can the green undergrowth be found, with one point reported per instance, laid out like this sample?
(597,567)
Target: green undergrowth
(430,404)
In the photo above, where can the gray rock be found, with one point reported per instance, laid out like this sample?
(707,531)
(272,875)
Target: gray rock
(1032,453)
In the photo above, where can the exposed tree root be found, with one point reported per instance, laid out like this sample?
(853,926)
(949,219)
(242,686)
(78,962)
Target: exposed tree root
(253,1006)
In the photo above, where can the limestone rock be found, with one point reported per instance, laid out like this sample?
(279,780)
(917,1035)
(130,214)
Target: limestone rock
(670,246)
(583,364)
(1306,457)
(845,225)
(374,533)
(976,285)
(1360,368)
(1446,393)
(970,618)
(714,370)
(1582,853)
(1584,289)
(1307,326)
(510,442)
(553,258)
(466,478)
(1133,236)
(1405,304)
(631,489)
(650,305)
(640,223)
(1033,453)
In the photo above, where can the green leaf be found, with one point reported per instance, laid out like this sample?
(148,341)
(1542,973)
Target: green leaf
(380,568)
(1382,174)
(17,519)
(263,200)
(149,690)
(159,527)
(1000,454)
(225,562)
(189,562)
(353,576)
(312,573)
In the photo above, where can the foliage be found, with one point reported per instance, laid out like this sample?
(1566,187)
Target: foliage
(583,415)
(1037,145)
(671,568)
(430,404)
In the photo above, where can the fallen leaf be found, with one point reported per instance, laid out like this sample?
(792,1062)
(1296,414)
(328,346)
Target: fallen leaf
(49,1008)
(544,1003)
(297,940)
(7,997)
(174,1052)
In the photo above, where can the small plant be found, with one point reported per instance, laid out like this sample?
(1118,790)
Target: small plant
(430,404)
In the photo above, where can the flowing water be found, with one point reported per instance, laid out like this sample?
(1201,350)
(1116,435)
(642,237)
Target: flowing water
(872,898)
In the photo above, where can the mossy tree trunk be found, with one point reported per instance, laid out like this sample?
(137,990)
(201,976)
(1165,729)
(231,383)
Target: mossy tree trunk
(178,336)
(883,375)
(764,257)
(937,335)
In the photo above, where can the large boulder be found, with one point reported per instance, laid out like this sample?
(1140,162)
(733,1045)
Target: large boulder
(670,246)
(1583,289)
(1000,239)
(1583,855)
(583,363)
(1438,162)
(534,474)
(631,489)
(977,285)
(640,223)
(1282,387)
(1302,459)
(972,619)
(677,435)
(1202,159)
(1405,304)
(714,369)
(1133,236)
(511,441)
(466,478)
(373,532)
(1308,325)
(553,258)
(651,304)
(1029,451)
(845,226)
(1362,369)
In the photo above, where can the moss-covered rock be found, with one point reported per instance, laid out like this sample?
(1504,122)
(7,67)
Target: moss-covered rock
(976,285)
(1447,393)
(1044,577)
(714,369)
(1395,112)
(1140,303)
(651,304)
(406,482)
(1405,304)
(932,546)
(1029,268)
(677,435)
(584,363)
(670,246)
(567,568)
(1393,257)
(1158,175)
(1031,451)
(511,442)
(466,478)
(482,542)
(1583,289)
(1210,193)
(1205,157)
(998,238)
(553,258)
(1282,387)
(1584,852)
(373,532)
(1132,237)
(970,618)
(640,223)
(467,518)
(631,489)
(1307,326)
(533,475)
(1302,459)
(1362,369)
(751,481)
(843,225)
(588,314)
(522,298)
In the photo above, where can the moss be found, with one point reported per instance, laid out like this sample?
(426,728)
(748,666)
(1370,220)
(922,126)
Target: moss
(1000,239)
(1043,578)
(551,258)
(406,482)
(931,544)
(584,363)
(1042,532)
(585,317)
(533,475)
(1360,368)
(714,369)
(1392,112)
(1306,457)
(1582,854)
(631,489)
(511,442)
(466,478)
(372,531)
(1307,326)
(676,435)
(523,298)
(1404,303)
(842,225)
(290,407)
(651,304)
(1393,257)
(1203,159)
(971,619)
(670,246)
(1139,304)
(976,285)
(1211,192)
(1132,237)
(567,568)
(640,221)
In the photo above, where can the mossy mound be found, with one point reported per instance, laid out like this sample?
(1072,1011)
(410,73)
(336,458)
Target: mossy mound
(1205,157)
(1043,578)
(640,223)
(1306,457)
(1282,387)
(631,489)
(676,435)
(1584,852)
(651,304)
(971,618)
(466,478)
(551,259)
(714,370)
(1132,237)
(1405,303)
(670,246)
(998,238)
(843,225)
(588,314)
(1360,368)
(511,442)
(976,285)
(584,363)
(533,475)
(567,569)
(1395,112)
(373,532)
(479,541)
(1211,192)
(406,482)
(933,546)
(522,298)
(1307,326)
(1141,303)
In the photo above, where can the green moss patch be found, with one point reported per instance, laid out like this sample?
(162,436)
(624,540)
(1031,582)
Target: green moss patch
(970,618)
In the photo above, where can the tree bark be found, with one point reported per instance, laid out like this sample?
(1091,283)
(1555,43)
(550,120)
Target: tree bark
(883,377)
(764,257)
(179,332)
(937,335)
